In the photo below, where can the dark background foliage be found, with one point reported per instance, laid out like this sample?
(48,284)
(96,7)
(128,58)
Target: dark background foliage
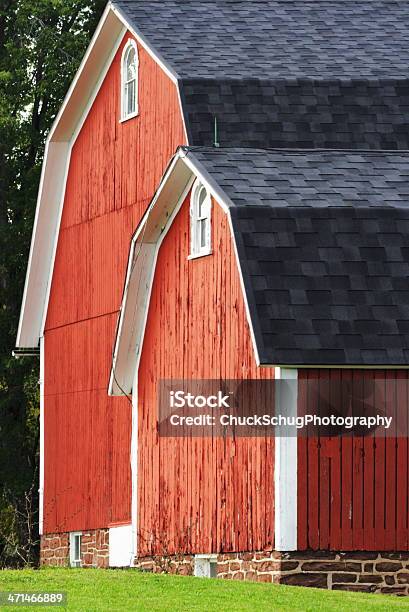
(41,45)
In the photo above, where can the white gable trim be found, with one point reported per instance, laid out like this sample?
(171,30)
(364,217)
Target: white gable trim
(63,134)
(145,246)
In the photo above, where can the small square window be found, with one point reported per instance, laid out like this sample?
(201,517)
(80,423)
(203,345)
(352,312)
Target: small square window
(205,566)
(75,548)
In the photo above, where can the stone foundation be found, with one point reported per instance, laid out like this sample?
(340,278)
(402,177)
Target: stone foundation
(178,564)
(365,572)
(55,549)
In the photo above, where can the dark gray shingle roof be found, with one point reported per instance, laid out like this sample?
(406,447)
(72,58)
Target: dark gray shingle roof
(323,241)
(298,113)
(276,38)
(285,73)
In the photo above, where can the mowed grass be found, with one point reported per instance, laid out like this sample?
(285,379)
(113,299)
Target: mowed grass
(129,590)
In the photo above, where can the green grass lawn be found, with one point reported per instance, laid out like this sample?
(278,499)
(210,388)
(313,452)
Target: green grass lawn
(129,590)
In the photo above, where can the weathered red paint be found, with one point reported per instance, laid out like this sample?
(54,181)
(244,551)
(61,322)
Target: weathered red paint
(114,171)
(353,491)
(200,495)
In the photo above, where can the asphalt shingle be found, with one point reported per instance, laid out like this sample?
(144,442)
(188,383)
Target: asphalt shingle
(285,73)
(276,38)
(325,273)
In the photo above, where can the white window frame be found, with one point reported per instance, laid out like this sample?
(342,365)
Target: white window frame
(196,248)
(74,562)
(205,566)
(131,44)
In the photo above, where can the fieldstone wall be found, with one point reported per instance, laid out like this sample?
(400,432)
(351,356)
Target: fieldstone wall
(367,572)
(55,549)
(176,564)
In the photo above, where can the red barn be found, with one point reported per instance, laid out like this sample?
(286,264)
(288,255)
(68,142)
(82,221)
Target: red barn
(225,197)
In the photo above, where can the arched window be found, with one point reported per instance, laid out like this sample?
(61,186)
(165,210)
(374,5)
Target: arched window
(129,81)
(200,221)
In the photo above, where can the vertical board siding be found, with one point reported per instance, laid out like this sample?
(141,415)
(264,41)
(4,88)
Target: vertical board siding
(114,170)
(200,494)
(353,490)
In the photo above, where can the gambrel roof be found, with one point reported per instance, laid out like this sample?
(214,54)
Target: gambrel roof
(323,243)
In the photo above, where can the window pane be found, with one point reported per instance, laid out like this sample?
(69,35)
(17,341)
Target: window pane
(77,548)
(131,99)
(130,65)
(203,232)
(201,212)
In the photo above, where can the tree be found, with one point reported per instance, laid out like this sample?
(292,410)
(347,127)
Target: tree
(41,45)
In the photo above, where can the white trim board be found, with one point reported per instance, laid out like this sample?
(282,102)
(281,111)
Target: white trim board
(120,546)
(41,483)
(285,467)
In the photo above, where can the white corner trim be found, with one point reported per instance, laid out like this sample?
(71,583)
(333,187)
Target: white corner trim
(285,466)
(41,483)
(120,546)
(134,470)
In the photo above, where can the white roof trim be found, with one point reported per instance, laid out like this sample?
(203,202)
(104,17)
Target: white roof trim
(60,141)
(172,191)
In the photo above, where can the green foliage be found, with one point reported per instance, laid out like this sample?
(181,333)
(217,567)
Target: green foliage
(41,45)
(133,591)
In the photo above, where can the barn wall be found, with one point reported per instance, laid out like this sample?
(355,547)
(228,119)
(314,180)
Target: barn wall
(353,491)
(200,494)
(114,170)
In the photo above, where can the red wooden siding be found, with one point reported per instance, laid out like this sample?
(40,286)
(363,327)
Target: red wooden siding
(353,491)
(200,495)
(114,170)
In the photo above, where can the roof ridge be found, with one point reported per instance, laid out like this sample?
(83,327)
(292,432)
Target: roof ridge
(250,150)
